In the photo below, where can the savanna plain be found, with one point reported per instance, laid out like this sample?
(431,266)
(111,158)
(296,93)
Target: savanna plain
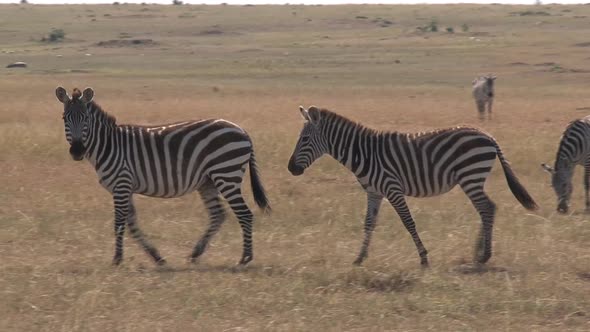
(254,65)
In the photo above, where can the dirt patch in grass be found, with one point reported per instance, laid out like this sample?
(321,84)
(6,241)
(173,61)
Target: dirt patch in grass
(518,64)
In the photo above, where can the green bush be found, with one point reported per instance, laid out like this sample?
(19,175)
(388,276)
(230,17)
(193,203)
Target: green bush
(432,26)
(55,35)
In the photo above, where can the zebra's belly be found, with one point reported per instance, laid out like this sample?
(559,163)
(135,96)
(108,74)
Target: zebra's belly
(440,191)
(170,193)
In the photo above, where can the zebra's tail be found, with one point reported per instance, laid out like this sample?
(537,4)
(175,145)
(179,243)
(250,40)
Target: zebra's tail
(257,188)
(516,187)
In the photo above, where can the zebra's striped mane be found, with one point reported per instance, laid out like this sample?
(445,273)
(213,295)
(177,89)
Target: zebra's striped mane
(102,115)
(331,117)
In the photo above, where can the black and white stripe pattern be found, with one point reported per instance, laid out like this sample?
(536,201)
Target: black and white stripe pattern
(393,165)
(483,93)
(574,149)
(208,156)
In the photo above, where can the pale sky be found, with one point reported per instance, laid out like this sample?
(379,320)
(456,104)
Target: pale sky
(296,2)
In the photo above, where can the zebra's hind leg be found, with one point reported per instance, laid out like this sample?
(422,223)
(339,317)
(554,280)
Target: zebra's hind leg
(487,210)
(137,234)
(233,194)
(587,184)
(398,201)
(119,233)
(210,197)
(373,205)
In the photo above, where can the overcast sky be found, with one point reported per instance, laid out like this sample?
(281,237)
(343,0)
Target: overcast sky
(327,2)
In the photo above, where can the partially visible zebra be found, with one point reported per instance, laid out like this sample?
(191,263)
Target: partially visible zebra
(393,165)
(208,156)
(574,149)
(483,92)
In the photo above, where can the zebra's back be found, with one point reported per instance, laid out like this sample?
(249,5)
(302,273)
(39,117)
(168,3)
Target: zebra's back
(173,159)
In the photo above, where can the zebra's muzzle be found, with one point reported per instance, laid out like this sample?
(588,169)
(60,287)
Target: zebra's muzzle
(77,150)
(294,169)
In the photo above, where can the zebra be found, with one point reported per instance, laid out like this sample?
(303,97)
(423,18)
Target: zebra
(208,156)
(483,92)
(574,149)
(393,165)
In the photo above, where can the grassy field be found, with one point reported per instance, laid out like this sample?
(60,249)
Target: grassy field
(254,65)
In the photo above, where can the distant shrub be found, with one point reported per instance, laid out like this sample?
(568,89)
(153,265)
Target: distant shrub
(176,2)
(23,2)
(432,26)
(450,30)
(465,27)
(531,13)
(55,35)
(116,3)
(557,69)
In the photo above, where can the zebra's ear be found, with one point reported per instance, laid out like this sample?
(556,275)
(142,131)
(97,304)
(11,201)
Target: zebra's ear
(87,95)
(304,113)
(62,94)
(548,168)
(313,113)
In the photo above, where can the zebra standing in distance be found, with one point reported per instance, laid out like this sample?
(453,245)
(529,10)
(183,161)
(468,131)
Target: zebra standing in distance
(393,165)
(483,92)
(208,156)
(574,149)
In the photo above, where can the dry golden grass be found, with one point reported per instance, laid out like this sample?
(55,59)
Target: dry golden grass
(254,66)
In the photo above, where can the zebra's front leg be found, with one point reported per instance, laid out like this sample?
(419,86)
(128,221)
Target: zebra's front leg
(210,197)
(490,102)
(481,109)
(398,201)
(125,209)
(373,204)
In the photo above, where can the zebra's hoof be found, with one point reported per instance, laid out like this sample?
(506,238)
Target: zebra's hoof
(117,261)
(358,261)
(245,260)
(424,263)
(161,262)
(483,259)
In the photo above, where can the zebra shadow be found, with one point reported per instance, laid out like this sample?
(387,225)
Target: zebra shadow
(584,276)
(229,269)
(470,268)
(578,213)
